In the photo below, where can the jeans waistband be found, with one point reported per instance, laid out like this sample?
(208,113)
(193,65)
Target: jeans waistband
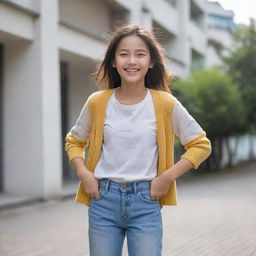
(135,186)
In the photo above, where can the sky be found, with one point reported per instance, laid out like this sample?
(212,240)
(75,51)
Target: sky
(243,9)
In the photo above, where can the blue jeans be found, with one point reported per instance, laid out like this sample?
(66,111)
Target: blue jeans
(125,209)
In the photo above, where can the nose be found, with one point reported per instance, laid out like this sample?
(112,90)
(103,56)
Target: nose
(132,59)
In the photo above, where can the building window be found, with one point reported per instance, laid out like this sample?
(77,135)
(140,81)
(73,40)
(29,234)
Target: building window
(198,61)
(221,22)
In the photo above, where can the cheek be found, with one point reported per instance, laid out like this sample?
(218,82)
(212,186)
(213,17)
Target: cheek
(145,62)
(119,68)
(119,62)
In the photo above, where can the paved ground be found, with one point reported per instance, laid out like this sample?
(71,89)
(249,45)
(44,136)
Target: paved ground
(216,216)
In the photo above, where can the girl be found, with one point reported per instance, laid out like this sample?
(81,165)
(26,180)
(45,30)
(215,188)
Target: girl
(129,127)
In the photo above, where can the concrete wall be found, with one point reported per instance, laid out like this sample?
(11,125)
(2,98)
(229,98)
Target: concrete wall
(219,40)
(23,165)
(213,57)
(80,43)
(197,38)
(91,15)
(29,5)
(79,88)
(16,23)
(165,15)
(32,155)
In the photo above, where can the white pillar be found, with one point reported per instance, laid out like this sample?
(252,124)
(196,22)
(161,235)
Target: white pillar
(22,124)
(146,19)
(135,12)
(180,48)
(51,93)
(32,127)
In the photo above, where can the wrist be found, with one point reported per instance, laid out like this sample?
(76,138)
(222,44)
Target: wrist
(81,172)
(168,176)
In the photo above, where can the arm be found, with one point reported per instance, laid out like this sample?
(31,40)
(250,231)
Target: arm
(77,140)
(160,184)
(89,182)
(197,147)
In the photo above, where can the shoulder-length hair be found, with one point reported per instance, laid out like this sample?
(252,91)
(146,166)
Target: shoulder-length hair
(157,77)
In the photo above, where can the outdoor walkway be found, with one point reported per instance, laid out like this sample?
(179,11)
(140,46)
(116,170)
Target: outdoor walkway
(216,216)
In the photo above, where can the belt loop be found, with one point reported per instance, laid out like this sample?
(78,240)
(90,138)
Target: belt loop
(107,185)
(135,187)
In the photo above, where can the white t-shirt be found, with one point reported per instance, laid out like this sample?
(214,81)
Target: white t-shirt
(129,148)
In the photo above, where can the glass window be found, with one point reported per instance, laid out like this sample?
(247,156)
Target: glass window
(198,61)
(220,22)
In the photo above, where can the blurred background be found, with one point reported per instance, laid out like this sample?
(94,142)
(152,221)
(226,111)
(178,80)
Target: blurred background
(50,48)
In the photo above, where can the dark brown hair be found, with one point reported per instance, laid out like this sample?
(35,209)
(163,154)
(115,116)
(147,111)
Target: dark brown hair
(157,77)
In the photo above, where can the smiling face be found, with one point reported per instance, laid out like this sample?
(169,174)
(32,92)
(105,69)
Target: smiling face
(132,60)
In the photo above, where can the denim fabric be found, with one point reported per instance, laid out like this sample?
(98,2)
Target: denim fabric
(125,209)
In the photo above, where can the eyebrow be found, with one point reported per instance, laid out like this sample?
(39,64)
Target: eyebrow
(137,50)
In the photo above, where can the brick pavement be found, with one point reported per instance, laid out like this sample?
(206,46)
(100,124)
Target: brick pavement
(216,216)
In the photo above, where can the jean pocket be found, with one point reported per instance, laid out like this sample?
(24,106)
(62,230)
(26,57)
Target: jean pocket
(146,197)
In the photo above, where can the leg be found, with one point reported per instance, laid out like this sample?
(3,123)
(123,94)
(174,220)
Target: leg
(105,240)
(105,236)
(144,234)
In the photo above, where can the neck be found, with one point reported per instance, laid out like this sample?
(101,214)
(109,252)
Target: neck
(132,90)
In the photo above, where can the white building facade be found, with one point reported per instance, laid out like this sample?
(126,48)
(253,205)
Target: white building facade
(48,50)
(220,26)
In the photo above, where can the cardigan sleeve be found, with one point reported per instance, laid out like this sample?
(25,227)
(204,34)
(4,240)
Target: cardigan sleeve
(191,135)
(77,139)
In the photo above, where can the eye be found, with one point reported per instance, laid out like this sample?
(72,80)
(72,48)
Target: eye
(141,54)
(123,54)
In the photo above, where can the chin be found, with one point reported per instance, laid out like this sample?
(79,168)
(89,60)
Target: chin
(132,81)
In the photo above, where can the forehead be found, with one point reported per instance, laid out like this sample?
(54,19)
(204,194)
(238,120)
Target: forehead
(132,42)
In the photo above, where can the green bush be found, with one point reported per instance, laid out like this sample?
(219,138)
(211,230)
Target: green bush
(241,65)
(216,103)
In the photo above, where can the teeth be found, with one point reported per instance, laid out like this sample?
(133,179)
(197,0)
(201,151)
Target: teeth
(131,69)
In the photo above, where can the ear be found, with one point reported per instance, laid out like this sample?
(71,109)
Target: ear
(151,65)
(113,64)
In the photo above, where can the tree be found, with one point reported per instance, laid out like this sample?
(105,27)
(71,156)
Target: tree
(214,101)
(241,64)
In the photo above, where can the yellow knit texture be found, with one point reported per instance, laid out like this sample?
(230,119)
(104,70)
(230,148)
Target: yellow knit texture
(197,150)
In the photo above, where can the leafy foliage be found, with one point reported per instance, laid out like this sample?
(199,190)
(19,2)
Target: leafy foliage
(214,101)
(241,63)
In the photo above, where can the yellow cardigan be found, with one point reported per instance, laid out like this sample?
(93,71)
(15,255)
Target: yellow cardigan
(196,152)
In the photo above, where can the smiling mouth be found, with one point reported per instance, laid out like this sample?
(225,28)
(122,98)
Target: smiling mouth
(131,69)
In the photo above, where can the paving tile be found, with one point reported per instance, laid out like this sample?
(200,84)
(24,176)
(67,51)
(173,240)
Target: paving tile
(216,216)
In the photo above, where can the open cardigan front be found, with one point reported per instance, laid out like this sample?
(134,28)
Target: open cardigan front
(196,152)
